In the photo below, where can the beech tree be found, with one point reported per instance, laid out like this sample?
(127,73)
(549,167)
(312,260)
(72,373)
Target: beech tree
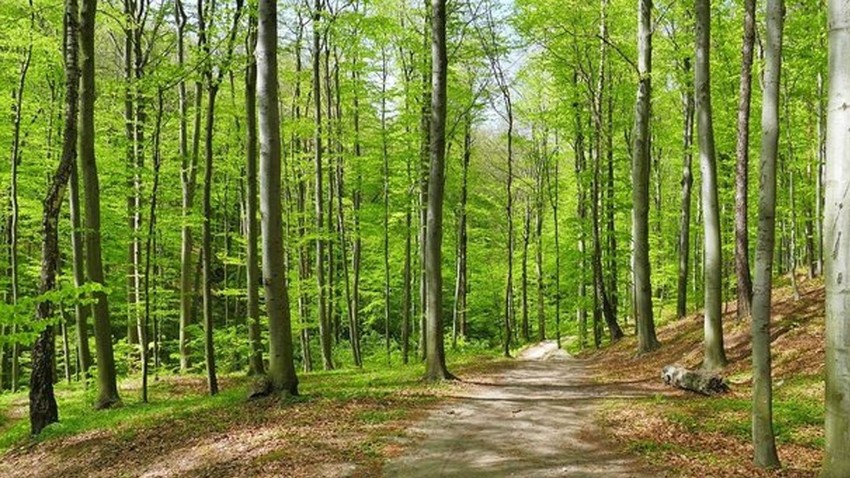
(435,366)
(763,435)
(715,355)
(836,227)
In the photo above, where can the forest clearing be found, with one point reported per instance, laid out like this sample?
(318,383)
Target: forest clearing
(425,238)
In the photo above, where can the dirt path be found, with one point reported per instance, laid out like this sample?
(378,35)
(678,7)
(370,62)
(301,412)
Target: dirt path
(533,420)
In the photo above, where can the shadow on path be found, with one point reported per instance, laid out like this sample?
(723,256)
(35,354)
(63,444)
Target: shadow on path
(533,420)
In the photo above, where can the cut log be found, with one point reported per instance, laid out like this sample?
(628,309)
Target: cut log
(701,382)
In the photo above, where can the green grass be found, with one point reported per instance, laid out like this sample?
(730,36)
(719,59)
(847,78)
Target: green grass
(168,401)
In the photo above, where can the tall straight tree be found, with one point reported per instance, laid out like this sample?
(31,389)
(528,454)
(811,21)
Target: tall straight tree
(836,228)
(42,406)
(281,363)
(107,385)
(188,175)
(435,361)
(742,252)
(324,322)
(252,273)
(647,340)
(764,442)
(687,189)
(715,356)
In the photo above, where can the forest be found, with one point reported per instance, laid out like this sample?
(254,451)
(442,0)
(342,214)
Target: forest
(440,238)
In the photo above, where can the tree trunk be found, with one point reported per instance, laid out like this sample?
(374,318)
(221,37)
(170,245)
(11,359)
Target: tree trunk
(281,362)
(742,259)
(436,359)
(647,340)
(762,413)
(143,328)
(836,226)
(715,356)
(324,326)
(526,237)
(253,278)
(386,193)
(107,386)
(18,100)
(687,188)
(42,402)
(580,166)
(188,174)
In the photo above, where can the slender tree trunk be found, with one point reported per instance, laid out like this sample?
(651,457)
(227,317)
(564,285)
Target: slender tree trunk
(715,356)
(742,259)
(143,329)
(436,358)
(602,308)
(281,362)
(81,311)
(580,165)
(42,402)
(526,238)
(187,180)
(762,413)
(206,241)
(647,340)
(18,99)
(255,361)
(555,200)
(424,168)
(819,189)
(324,326)
(386,192)
(107,386)
(687,188)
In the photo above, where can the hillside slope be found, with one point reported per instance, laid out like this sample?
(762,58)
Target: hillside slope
(704,436)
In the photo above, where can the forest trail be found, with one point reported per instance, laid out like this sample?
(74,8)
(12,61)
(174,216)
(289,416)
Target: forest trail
(533,420)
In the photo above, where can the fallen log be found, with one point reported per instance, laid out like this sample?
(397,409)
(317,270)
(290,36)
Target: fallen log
(705,383)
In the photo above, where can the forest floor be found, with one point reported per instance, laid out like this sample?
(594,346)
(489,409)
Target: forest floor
(710,436)
(546,413)
(534,419)
(345,424)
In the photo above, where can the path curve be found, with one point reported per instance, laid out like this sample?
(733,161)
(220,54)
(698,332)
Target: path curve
(532,420)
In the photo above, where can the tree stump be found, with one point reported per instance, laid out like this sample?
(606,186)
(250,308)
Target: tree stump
(704,383)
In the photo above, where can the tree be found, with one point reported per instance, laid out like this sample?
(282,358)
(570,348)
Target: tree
(836,228)
(324,323)
(252,272)
(640,181)
(435,366)
(715,356)
(742,248)
(281,364)
(42,402)
(763,436)
(106,377)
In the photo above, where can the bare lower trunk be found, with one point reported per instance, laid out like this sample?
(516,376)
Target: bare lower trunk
(762,413)
(436,359)
(647,340)
(715,356)
(281,361)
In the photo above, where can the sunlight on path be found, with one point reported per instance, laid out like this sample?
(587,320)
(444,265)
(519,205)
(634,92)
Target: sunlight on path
(534,420)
